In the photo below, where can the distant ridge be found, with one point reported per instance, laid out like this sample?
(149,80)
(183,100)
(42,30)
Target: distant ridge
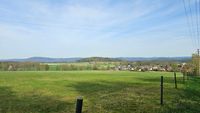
(99,59)
(42,59)
(78,59)
(182,59)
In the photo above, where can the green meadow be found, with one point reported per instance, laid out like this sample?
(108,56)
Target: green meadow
(102,91)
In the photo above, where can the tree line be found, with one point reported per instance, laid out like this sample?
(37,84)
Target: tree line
(25,66)
(34,66)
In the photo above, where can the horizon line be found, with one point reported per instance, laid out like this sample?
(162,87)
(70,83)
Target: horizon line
(95,56)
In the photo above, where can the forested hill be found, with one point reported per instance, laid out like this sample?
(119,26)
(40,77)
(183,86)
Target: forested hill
(178,59)
(42,59)
(99,59)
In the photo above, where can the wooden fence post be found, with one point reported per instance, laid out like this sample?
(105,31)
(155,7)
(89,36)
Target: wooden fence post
(79,104)
(175,82)
(161,90)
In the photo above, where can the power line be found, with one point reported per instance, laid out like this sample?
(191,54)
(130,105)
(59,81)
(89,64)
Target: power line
(192,23)
(190,29)
(197,21)
(199,16)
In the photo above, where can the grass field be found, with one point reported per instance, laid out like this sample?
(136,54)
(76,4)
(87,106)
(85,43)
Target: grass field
(103,92)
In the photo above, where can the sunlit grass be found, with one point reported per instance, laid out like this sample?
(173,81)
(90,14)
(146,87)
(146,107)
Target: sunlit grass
(103,92)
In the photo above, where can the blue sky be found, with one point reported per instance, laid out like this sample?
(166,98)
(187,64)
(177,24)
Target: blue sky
(84,28)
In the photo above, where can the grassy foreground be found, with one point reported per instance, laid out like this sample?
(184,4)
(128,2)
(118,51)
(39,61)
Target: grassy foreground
(103,92)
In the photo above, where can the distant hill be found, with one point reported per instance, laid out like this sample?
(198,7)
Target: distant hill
(180,59)
(100,59)
(42,59)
